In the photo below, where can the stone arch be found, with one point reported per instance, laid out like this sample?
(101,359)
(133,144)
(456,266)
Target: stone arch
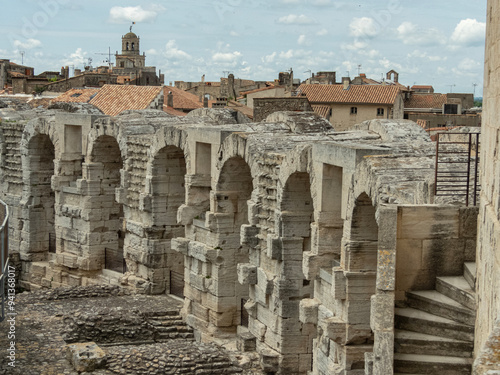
(39,197)
(296,217)
(229,208)
(103,172)
(167,191)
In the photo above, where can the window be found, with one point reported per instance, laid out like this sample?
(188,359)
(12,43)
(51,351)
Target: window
(380,111)
(354,110)
(122,64)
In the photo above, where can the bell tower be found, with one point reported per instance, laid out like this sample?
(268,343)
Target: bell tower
(130,44)
(131,57)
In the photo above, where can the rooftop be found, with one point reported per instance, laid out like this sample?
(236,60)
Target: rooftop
(368,94)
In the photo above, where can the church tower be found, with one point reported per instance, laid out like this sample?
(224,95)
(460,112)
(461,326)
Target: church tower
(131,55)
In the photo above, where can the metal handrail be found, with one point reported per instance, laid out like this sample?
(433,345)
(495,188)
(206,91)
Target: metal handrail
(4,258)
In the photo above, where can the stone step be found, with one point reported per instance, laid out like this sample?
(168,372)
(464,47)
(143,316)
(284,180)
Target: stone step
(470,274)
(420,321)
(458,289)
(409,342)
(431,364)
(438,304)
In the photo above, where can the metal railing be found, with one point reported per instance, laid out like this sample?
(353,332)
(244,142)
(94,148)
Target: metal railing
(4,255)
(457,166)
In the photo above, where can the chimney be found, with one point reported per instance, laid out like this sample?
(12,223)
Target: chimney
(78,72)
(170,99)
(346,81)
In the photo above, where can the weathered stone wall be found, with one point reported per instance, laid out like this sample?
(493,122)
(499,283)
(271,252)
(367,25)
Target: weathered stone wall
(282,230)
(439,120)
(433,241)
(488,256)
(263,107)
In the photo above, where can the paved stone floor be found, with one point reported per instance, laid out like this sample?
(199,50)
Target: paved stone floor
(139,335)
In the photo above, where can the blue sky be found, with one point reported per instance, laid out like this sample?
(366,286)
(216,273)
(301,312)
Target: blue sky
(427,42)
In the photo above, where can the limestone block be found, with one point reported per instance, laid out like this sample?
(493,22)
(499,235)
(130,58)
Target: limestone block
(263,282)
(274,248)
(269,360)
(308,310)
(382,312)
(383,353)
(247,274)
(248,235)
(251,308)
(219,221)
(222,319)
(197,281)
(257,329)
(245,341)
(424,222)
(145,203)
(86,357)
(220,288)
(200,251)
(369,364)
(186,214)
(199,311)
(334,328)
(338,283)
(219,304)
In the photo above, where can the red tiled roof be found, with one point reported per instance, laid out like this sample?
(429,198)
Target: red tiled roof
(321,110)
(426,101)
(364,94)
(16,74)
(421,87)
(257,90)
(76,96)
(172,111)
(113,99)
(247,111)
(184,99)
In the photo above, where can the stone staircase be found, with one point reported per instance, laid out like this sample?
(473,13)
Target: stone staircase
(435,333)
(168,325)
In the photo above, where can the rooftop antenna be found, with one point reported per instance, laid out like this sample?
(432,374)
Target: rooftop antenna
(359,69)
(22,56)
(348,74)
(108,60)
(226,73)
(310,72)
(451,88)
(474,85)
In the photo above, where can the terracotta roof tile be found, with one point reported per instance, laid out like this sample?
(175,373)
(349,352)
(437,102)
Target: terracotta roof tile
(425,101)
(257,90)
(321,110)
(184,100)
(76,96)
(247,111)
(113,99)
(368,94)
(172,111)
(414,87)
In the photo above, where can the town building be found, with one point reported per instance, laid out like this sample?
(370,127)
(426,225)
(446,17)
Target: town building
(346,105)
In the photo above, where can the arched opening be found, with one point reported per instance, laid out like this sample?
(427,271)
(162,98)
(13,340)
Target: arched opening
(107,162)
(297,212)
(233,190)
(133,46)
(127,46)
(364,235)
(168,194)
(41,155)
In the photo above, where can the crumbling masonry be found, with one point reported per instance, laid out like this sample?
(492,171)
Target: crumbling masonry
(293,239)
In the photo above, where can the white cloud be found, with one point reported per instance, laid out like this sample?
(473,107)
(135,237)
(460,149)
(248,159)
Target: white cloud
(469,64)
(302,40)
(152,52)
(425,56)
(269,58)
(363,27)
(234,33)
(174,53)
(290,1)
(293,19)
(371,54)
(469,32)
(226,57)
(27,44)
(76,58)
(322,32)
(411,34)
(132,14)
(354,46)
